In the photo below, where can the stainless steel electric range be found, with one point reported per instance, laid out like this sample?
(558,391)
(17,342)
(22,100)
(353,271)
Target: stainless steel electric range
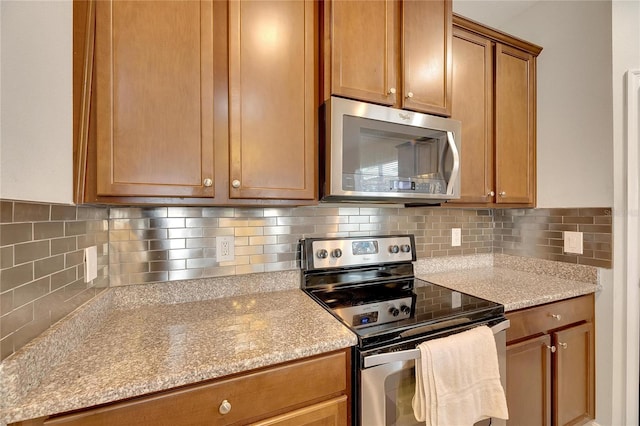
(368,283)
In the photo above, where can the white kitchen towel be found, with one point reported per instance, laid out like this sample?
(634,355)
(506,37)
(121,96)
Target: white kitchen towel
(458,380)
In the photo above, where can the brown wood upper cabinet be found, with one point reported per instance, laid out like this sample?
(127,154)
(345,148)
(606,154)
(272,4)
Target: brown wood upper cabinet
(198,102)
(494,96)
(389,52)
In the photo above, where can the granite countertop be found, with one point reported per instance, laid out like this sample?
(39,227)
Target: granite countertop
(161,346)
(514,282)
(137,340)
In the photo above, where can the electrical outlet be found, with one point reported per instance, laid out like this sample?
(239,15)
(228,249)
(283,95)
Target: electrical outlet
(456,237)
(225,249)
(573,242)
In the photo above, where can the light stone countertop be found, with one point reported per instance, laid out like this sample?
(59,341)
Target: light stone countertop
(536,283)
(132,341)
(157,347)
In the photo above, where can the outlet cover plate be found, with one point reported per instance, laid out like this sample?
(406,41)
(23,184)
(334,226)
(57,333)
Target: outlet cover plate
(573,242)
(456,237)
(225,250)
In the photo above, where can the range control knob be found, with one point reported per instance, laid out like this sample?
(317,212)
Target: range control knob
(336,253)
(394,248)
(405,309)
(322,254)
(394,311)
(406,248)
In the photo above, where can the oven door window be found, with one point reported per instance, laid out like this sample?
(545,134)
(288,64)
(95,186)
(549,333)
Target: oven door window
(388,157)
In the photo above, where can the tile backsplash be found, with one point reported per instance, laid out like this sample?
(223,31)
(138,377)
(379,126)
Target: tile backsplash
(41,245)
(41,266)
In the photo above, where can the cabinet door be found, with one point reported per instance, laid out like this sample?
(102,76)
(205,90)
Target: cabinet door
(529,382)
(329,413)
(363,61)
(273,99)
(426,56)
(574,385)
(473,105)
(154,98)
(515,126)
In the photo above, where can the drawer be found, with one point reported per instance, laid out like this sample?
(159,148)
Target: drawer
(251,397)
(541,319)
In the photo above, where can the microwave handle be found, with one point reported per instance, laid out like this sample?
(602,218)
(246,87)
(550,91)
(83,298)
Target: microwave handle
(408,355)
(456,163)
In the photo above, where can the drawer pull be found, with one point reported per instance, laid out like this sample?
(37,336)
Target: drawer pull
(225,407)
(556,316)
(562,345)
(551,348)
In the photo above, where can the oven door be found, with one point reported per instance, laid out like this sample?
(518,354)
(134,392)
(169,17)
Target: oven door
(387,385)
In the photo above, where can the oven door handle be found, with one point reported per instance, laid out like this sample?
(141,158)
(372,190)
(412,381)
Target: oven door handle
(411,354)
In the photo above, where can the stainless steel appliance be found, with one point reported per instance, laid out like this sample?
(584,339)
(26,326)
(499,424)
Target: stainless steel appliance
(379,153)
(368,283)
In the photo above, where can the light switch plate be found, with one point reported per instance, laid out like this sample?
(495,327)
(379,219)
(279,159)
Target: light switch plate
(225,250)
(90,263)
(456,237)
(573,242)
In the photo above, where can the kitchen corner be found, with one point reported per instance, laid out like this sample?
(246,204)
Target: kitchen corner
(160,336)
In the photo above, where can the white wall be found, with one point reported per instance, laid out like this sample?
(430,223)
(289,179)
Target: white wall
(36,138)
(574,143)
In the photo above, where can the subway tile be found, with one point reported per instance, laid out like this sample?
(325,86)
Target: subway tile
(92,213)
(601,229)
(30,292)
(14,233)
(184,212)
(147,234)
(185,254)
(167,265)
(594,262)
(87,240)
(28,252)
(203,222)
(74,258)
(149,277)
(15,319)
(62,278)
(46,230)
(48,266)
(15,276)
(30,212)
(59,212)
(200,243)
(6,302)
(186,274)
(178,222)
(164,245)
(185,233)
(216,232)
(75,228)
(578,219)
(6,211)
(116,224)
(218,212)
(63,245)
(201,263)
(6,257)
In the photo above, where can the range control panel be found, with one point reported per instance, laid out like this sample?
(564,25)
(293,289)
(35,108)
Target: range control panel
(376,313)
(357,251)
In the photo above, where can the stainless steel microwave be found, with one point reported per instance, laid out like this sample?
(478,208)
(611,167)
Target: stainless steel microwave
(374,153)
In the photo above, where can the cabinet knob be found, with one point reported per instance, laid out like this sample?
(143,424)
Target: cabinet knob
(556,317)
(410,95)
(562,345)
(491,193)
(551,348)
(207,182)
(392,91)
(235,183)
(225,407)
(502,193)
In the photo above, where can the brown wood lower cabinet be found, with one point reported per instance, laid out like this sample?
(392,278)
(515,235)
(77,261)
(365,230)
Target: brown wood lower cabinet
(551,364)
(313,391)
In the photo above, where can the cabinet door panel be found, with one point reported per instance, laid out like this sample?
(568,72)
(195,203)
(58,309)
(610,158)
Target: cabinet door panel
(272,84)
(473,105)
(154,72)
(329,413)
(364,54)
(529,382)
(426,56)
(575,376)
(515,126)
